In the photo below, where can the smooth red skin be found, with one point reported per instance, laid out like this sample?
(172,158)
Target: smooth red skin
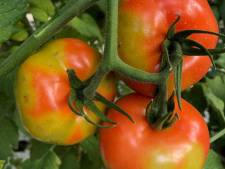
(126,145)
(157,16)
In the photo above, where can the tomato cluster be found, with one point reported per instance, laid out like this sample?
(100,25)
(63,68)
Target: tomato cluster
(42,89)
(143,26)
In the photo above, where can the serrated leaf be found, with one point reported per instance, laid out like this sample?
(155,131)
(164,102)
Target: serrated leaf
(48,161)
(10,13)
(213,161)
(87,26)
(9,137)
(45,5)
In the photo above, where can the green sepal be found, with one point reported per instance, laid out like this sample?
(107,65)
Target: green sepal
(80,106)
(185,33)
(165,62)
(172,29)
(74,81)
(176,54)
(190,51)
(71,99)
(189,42)
(153,111)
(178,80)
(92,106)
(110,104)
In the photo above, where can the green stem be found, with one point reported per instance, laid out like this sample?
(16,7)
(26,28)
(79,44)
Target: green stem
(71,9)
(110,52)
(137,74)
(217,136)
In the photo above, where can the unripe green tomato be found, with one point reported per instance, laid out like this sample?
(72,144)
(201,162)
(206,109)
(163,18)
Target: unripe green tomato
(42,90)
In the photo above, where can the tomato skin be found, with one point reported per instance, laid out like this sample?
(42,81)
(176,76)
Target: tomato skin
(143,26)
(185,145)
(42,90)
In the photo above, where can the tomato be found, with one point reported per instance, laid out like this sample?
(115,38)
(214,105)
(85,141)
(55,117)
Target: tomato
(184,145)
(42,90)
(143,26)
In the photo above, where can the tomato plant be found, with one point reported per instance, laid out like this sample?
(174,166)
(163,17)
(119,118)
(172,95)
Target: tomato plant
(143,27)
(184,145)
(42,90)
(58,90)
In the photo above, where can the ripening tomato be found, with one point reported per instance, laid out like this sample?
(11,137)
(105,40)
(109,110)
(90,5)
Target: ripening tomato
(42,90)
(184,145)
(143,26)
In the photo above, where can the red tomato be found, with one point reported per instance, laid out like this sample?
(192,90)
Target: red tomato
(143,26)
(42,90)
(184,145)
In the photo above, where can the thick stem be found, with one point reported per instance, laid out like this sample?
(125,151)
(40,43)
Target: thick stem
(137,74)
(110,52)
(73,8)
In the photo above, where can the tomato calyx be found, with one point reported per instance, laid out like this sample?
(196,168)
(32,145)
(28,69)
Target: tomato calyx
(77,102)
(174,48)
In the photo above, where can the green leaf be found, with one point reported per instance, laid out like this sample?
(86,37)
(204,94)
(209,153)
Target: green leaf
(38,149)
(70,160)
(7,102)
(21,35)
(216,11)
(46,5)
(2,164)
(216,84)
(214,161)
(91,158)
(221,61)
(9,137)
(39,14)
(196,97)
(216,104)
(48,161)
(87,26)
(123,89)
(10,13)
(102,5)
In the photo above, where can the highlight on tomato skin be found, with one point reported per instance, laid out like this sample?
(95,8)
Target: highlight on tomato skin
(184,145)
(142,29)
(42,90)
